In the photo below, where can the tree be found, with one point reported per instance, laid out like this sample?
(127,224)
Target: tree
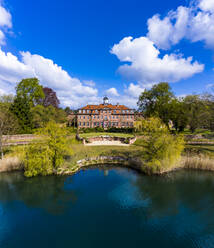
(178,114)
(22,110)
(8,121)
(46,157)
(30,90)
(157,102)
(161,150)
(50,98)
(196,111)
(42,115)
(28,94)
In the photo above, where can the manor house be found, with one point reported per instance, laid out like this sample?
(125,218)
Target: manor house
(105,115)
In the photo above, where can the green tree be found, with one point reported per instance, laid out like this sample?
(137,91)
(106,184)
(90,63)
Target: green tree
(42,115)
(8,121)
(30,90)
(196,111)
(161,150)
(157,102)
(47,156)
(28,94)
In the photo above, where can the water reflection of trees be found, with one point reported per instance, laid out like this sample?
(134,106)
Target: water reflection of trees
(46,193)
(192,190)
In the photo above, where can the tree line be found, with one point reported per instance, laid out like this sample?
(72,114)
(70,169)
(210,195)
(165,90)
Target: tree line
(194,111)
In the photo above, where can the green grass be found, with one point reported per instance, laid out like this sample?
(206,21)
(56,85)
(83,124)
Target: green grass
(80,151)
(122,135)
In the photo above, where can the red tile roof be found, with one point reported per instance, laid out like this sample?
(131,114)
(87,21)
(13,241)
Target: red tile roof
(109,106)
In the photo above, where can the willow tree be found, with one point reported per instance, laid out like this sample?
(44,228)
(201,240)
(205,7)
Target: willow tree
(47,155)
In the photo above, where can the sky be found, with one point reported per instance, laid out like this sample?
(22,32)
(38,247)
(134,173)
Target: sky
(87,49)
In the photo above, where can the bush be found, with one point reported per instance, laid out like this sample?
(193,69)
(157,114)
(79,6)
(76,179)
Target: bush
(46,157)
(162,150)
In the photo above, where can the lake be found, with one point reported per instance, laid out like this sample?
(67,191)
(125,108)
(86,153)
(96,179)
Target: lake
(107,207)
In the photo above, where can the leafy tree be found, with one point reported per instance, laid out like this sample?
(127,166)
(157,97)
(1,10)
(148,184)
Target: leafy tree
(50,98)
(42,115)
(195,110)
(157,102)
(21,109)
(30,90)
(28,94)
(46,157)
(8,121)
(178,114)
(161,150)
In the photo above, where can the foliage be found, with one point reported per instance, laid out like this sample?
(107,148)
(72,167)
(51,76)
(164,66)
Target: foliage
(21,109)
(157,102)
(42,115)
(8,121)
(30,90)
(28,94)
(46,157)
(50,98)
(196,111)
(161,150)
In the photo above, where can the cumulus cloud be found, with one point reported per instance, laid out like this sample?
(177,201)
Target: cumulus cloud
(134,90)
(147,67)
(5,23)
(195,23)
(112,92)
(70,90)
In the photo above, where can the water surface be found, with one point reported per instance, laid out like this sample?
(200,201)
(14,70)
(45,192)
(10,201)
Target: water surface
(111,207)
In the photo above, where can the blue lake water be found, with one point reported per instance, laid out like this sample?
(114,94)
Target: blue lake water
(107,207)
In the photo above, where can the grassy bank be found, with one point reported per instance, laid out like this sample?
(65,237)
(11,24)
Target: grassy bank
(194,156)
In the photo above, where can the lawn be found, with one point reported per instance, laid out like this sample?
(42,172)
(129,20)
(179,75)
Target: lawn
(89,135)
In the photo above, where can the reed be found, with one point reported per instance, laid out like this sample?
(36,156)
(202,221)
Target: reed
(200,162)
(10,164)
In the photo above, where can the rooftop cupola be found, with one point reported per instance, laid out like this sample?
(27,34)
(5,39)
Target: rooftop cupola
(105,100)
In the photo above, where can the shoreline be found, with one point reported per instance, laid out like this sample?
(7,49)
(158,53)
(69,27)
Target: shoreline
(186,162)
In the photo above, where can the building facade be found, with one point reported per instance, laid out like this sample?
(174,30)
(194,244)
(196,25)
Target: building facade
(105,115)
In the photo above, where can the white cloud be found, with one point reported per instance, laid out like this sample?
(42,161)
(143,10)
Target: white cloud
(69,90)
(207,5)
(163,33)
(90,83)
(5,18)
(134,90)
(112,92)
(145,65)
(5,23)
(195,23)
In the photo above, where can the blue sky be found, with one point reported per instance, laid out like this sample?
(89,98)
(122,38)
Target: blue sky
(79,48)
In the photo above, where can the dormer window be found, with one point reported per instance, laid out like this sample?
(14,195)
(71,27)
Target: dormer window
(80,111)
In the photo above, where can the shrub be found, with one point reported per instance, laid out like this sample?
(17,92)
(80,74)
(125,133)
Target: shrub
(162,150)
(46,157)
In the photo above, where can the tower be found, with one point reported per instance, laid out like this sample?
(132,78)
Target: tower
(105,100)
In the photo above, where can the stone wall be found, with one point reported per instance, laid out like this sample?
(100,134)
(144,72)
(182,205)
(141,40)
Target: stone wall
(133,163)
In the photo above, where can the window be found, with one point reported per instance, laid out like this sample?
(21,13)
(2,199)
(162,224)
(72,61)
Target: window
(88,111)
(83,123)
(79,123)
(80,111)
(83,111)
(98,117)
(87,123)
(83,117)
(114,111)
(88,117)
(106,118)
